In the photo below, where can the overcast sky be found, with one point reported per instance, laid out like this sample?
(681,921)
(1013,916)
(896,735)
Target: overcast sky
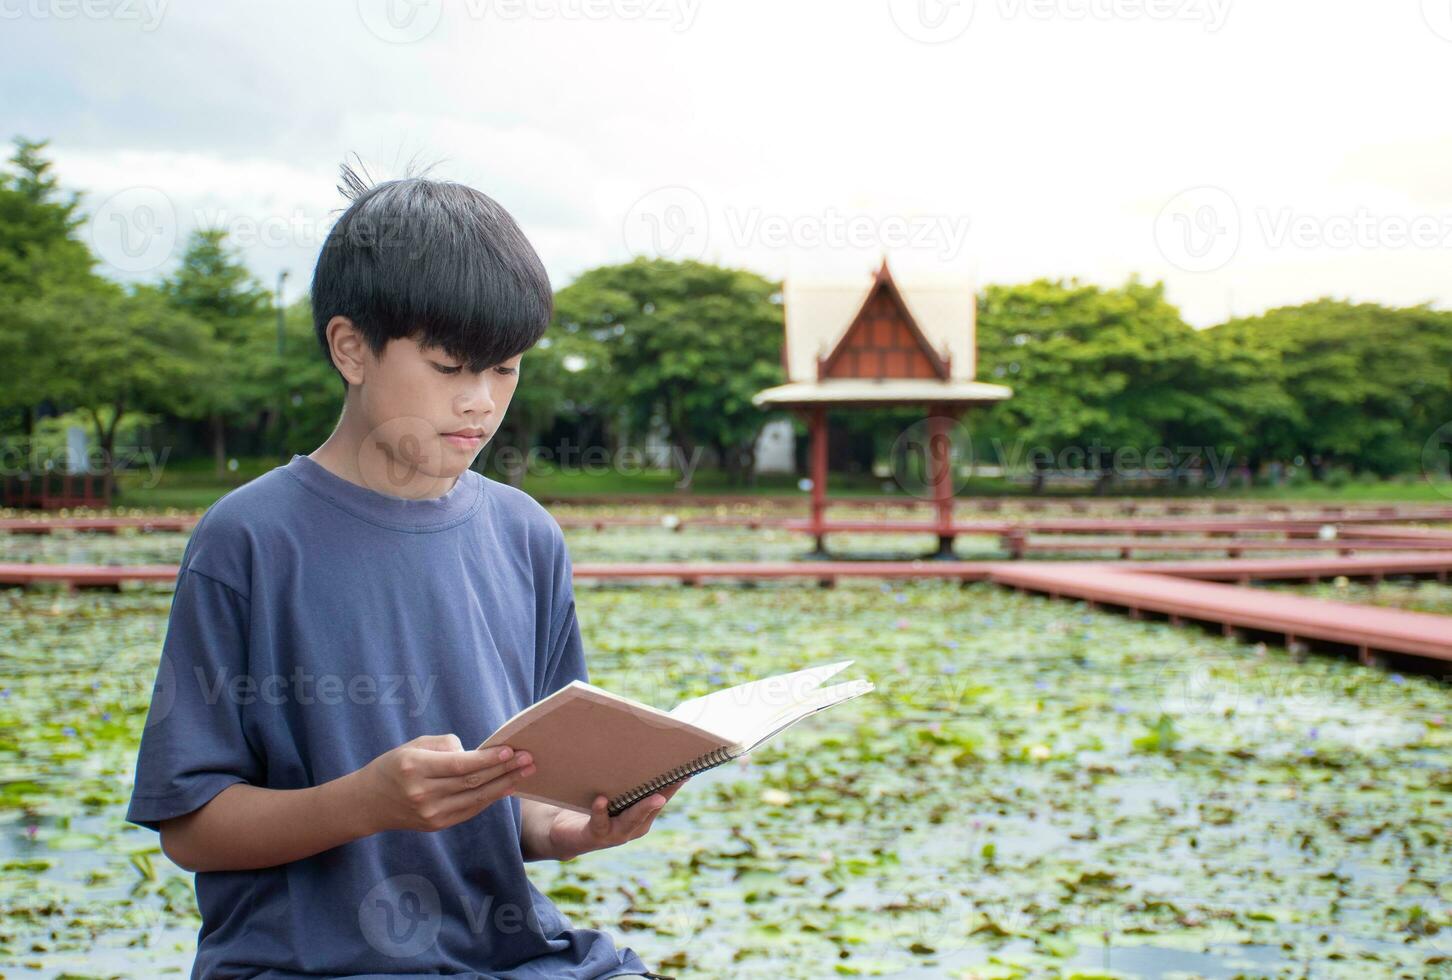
(1250,153)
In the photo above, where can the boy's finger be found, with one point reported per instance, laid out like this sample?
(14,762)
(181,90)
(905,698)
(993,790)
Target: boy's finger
(640,813)
(479,777)
(438,743)
(600,816)
(471,801)
(458,763)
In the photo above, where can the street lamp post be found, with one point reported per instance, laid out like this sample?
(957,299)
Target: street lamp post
(281,367)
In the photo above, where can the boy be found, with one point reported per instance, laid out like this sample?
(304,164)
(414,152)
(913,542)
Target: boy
(347,627)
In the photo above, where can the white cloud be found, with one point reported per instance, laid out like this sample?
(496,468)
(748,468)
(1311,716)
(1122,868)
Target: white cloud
(1056,131)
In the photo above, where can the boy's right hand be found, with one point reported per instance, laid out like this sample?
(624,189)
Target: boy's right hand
(431,783)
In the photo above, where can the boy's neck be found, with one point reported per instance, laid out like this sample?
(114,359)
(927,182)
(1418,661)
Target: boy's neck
(357,458)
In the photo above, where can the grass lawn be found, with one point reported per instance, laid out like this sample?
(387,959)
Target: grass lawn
(193,485)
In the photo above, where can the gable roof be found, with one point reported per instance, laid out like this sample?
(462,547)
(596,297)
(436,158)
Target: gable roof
(819,315)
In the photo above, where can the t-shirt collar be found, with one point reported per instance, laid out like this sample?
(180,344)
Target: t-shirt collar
(386,510)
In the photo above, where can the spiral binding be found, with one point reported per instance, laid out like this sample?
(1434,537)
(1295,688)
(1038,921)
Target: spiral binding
(699,764)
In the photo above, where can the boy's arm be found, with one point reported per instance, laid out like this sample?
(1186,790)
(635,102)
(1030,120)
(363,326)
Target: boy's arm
(427,784)
(245,826)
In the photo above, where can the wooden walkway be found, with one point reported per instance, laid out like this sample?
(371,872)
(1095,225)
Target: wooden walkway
(95,525)
(1436,565)
(1372,630)
(1180,590)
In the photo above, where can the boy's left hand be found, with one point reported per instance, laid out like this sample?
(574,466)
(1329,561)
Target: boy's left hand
(572,833)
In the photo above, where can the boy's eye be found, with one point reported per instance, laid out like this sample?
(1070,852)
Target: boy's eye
(448,369)
(503,369)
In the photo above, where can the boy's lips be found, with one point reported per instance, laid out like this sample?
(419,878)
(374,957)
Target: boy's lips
(465,438)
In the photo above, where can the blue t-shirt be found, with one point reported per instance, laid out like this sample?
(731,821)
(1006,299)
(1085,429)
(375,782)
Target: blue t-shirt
(317,624)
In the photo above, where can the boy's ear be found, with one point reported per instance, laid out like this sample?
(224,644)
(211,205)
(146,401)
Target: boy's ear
(348,348)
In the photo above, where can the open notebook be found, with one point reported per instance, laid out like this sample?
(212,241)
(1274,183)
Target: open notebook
(586,741)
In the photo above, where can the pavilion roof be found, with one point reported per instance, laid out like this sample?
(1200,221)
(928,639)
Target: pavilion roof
(880,392)
(819,313)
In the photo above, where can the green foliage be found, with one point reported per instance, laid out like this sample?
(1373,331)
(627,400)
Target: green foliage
(688,342)
(1362,383)
(1353,388)
(103,350)
(1357,384)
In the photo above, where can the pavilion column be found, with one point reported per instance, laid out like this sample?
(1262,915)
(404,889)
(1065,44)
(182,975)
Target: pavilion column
(940,459)
(818,424)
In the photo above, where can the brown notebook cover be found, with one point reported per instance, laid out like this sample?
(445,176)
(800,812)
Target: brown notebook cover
(586,741)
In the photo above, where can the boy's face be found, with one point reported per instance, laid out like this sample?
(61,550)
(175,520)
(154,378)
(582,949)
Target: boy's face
(426,413)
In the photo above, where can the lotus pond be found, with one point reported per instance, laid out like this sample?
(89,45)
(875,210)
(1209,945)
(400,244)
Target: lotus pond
(1034,790)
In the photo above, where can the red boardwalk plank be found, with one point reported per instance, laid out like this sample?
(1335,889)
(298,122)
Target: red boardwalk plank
(1367,627)
(20,573)
(1267,569)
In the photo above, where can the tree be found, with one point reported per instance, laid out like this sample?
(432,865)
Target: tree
(39,251)
(214,286)
(109,351)
(1094,370)
(1368,383)
(684,342)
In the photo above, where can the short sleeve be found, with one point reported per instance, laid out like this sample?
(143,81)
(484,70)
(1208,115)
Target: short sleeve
(566,651)
(193,745)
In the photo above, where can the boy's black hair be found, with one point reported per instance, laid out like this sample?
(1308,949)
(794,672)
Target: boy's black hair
(432,260)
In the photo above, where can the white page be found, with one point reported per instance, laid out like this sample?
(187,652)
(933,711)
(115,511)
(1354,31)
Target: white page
(825,698)
(738,713)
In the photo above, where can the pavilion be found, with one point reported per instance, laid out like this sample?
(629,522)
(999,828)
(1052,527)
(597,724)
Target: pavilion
(881,344)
